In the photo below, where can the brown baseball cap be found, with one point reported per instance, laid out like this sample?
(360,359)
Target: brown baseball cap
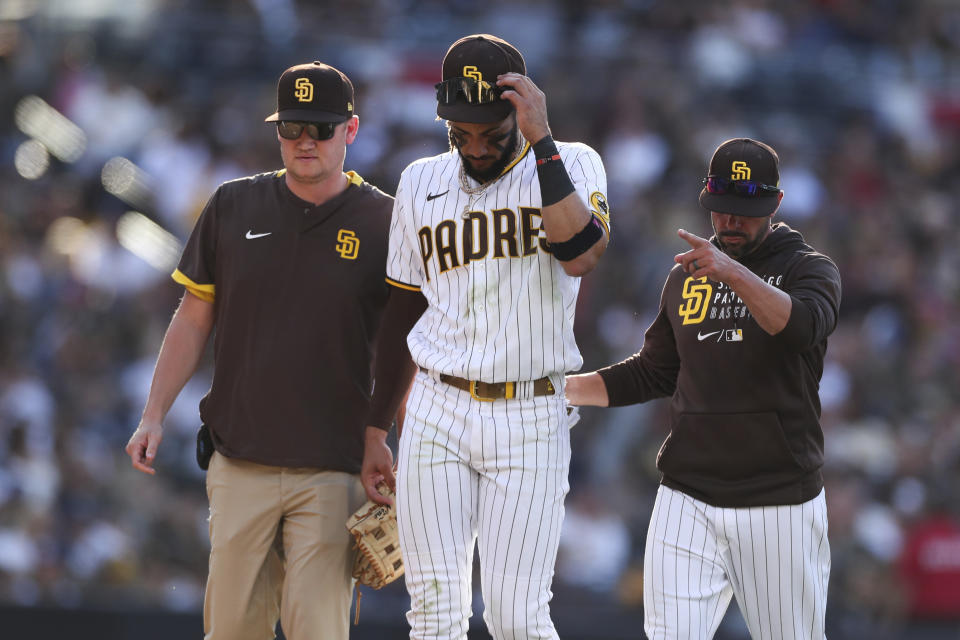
(481,57)
(313,92)
(744,159)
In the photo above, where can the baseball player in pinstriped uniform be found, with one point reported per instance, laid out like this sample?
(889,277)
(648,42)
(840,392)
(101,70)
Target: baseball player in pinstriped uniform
(487,244)
(739,344)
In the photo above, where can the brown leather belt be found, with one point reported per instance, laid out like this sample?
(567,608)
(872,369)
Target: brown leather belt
(490,391)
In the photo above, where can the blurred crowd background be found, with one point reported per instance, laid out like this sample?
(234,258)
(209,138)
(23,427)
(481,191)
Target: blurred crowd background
(118,119)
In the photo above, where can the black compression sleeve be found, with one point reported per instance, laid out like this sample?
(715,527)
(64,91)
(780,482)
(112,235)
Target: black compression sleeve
(394,369)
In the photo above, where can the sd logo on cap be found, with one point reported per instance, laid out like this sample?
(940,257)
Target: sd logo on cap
(313,92)
(469,92)
(743,179)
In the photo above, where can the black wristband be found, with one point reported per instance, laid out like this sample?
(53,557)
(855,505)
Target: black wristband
(579,243)
(544,147)
(555,183)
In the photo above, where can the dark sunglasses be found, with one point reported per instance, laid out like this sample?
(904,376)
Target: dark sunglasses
(291,130)
(473,91)
(718,186)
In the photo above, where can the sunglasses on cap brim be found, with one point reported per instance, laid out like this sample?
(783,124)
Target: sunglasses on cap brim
(292,130)
(748,188)
(473,91)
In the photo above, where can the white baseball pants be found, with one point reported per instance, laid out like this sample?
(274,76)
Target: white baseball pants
(491,473)
(775,560)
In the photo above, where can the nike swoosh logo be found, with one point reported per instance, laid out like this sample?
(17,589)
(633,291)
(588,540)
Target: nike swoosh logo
(704,336)
(431,196)
(251,235)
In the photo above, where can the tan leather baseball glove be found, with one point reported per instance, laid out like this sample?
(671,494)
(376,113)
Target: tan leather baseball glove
(374,529)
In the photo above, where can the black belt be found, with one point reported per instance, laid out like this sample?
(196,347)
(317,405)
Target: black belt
(490,391)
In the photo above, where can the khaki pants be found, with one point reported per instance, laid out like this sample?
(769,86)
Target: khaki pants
(278,550)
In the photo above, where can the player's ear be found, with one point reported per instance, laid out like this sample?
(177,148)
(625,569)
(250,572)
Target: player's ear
(779,200)
(353,125)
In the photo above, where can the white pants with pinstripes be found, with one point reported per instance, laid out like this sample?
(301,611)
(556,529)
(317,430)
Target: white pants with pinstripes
(775,560)
(490,473)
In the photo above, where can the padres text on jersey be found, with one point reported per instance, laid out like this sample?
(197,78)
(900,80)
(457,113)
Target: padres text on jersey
(500,306)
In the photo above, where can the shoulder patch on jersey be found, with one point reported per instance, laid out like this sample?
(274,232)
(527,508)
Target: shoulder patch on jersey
(600,208)
(599,202)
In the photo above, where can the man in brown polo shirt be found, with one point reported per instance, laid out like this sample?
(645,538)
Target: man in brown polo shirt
(289,267)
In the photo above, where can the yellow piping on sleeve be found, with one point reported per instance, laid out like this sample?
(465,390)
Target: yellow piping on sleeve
(402,285)
(203,291)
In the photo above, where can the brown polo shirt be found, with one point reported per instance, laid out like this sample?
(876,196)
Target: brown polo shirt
(297,291)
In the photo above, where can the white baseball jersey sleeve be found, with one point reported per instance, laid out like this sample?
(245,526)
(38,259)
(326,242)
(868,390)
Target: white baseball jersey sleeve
(500,306)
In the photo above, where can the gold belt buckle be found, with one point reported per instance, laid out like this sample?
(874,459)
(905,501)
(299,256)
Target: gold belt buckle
(509,392)
(473,393)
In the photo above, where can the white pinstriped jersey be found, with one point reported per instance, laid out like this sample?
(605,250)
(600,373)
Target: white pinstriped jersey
(500,306)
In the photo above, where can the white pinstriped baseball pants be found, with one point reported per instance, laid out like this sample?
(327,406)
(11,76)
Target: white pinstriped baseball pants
(775,560)
(490,473)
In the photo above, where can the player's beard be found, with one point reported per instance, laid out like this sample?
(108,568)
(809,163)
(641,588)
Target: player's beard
(506,157)
(744,248)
